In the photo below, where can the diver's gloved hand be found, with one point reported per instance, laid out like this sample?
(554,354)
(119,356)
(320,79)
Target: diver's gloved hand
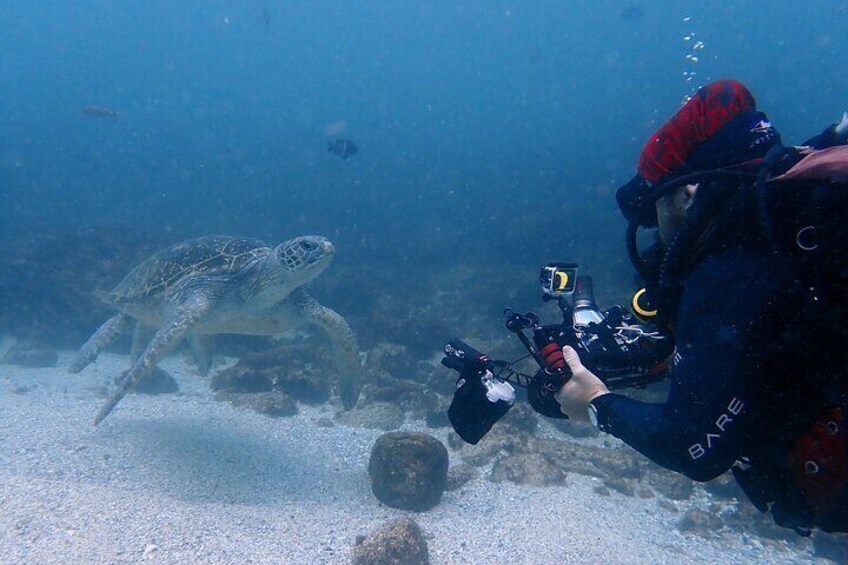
(841,128)
(583,387)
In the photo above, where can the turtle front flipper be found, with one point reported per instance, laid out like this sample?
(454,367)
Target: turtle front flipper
(100,340)
(164,341)
(345,351)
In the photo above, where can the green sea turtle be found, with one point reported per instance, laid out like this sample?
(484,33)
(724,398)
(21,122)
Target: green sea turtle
(220,284)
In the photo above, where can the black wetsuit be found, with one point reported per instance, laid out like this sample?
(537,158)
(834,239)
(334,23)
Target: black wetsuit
(724,403)
(707,421)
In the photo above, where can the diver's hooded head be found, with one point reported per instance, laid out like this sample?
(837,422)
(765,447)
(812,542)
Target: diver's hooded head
(718,128)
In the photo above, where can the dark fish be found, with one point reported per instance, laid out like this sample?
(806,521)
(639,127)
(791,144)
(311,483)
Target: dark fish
(95,111)
(631,12)
(344,148)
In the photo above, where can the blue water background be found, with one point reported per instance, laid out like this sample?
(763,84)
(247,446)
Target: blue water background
(492,136)
(490,132)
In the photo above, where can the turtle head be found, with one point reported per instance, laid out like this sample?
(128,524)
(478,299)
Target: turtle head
(301,259)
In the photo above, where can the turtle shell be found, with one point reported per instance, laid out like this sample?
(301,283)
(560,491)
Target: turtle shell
(211,256)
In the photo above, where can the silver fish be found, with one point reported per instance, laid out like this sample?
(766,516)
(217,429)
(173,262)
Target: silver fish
(96,111)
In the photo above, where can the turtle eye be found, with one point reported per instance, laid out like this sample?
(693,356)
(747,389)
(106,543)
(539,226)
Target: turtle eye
(308,245)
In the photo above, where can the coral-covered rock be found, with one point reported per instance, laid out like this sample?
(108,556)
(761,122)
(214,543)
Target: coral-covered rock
(398,543)
(374,416)
(285,368)
(48,279)
(408,470)
(157,381)
(274,404)
(535,469)
(413,397)
(700,523)
(672,485)
(394,359)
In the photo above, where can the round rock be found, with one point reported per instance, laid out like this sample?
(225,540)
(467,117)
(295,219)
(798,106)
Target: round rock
(398,543)
(408,470)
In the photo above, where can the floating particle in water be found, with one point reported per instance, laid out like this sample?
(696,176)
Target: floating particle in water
(631,12)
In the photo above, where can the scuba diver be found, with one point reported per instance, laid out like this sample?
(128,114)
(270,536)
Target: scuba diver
(750,277)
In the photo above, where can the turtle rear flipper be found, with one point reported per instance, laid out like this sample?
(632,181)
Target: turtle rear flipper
(140,338)
(100,340)
(202,348)
(164,341)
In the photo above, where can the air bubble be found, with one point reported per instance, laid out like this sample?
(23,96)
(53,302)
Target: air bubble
(690,55)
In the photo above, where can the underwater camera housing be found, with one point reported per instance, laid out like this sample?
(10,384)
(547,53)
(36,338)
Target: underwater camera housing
(612,344)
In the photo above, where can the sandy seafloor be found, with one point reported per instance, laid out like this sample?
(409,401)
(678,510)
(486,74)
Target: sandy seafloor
(187,479)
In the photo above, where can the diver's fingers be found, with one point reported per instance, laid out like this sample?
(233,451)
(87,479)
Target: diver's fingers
(572,359)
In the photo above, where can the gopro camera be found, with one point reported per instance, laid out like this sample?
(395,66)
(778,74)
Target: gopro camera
(558,279)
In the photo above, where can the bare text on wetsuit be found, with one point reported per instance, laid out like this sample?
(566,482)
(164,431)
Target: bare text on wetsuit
(734,407)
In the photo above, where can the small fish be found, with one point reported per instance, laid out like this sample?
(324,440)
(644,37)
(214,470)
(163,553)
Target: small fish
(344,148)
(95,111)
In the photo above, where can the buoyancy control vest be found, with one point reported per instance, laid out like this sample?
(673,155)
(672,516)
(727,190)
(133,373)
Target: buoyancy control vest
(802,215)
